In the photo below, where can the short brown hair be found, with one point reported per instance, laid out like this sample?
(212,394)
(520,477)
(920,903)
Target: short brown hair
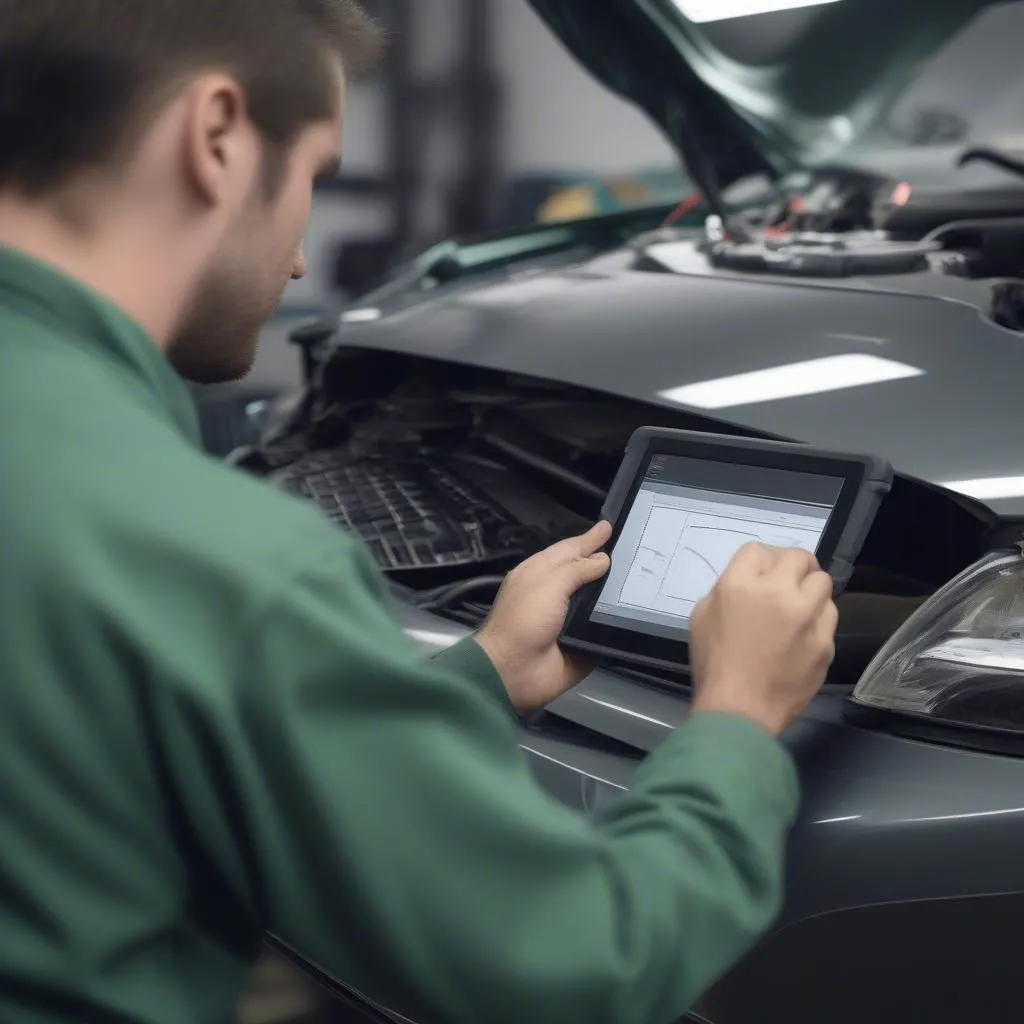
(78,78)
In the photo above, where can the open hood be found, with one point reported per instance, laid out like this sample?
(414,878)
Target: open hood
(771,92)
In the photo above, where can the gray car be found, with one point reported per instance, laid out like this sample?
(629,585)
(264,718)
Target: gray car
(476,409)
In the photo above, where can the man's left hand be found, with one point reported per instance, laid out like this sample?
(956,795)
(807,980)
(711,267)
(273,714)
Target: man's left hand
(521,634)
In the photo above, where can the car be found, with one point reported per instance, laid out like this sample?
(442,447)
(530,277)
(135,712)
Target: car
(476,407)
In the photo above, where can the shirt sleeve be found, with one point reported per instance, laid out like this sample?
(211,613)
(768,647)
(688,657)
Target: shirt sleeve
(467,660)
(375,812)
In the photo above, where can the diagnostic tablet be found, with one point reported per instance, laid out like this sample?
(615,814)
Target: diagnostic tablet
(683,504)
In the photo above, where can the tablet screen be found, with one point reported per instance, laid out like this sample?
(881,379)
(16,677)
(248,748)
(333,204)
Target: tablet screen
(688,520)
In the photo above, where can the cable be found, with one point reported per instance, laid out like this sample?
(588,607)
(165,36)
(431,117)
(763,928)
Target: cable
(969,225)
(983,154)
(705,178)
(443,597)
(545,466)
(691,203)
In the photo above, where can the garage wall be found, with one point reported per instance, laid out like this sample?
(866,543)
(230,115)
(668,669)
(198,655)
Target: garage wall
(559,118)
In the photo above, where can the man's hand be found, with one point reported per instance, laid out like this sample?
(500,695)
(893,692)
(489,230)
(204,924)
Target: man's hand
(762,641)
(521,633)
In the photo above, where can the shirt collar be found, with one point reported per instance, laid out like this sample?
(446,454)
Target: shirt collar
(48,296)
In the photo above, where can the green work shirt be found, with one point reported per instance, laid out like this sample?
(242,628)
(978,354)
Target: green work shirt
(211,727)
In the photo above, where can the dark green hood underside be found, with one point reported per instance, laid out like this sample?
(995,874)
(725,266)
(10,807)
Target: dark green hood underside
(835,82)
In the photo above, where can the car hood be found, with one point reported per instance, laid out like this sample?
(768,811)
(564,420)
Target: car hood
(612,328)
(843,64)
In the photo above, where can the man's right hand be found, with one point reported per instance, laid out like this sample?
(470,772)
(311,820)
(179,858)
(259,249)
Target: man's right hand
(762,641)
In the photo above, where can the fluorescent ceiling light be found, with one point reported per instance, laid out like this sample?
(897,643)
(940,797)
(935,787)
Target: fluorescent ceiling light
(701,11)
(361,316)
(816,376)
(990,488)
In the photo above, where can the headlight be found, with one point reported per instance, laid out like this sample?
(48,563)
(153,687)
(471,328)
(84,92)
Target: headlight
(960,657)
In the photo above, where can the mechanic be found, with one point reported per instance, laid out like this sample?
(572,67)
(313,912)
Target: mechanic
(212,728)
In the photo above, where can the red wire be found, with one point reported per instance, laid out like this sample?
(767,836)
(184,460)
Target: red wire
(686,207)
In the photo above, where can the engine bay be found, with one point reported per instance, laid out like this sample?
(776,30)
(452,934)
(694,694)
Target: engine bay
(451,475)
(843,224)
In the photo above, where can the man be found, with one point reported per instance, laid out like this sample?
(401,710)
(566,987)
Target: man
(211,726)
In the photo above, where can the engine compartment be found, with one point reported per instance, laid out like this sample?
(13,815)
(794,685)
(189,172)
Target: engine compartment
(453,474)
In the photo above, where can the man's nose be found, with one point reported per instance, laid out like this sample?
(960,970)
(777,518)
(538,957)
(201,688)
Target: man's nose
(300,266)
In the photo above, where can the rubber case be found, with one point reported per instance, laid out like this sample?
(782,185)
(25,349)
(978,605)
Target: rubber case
(875,485)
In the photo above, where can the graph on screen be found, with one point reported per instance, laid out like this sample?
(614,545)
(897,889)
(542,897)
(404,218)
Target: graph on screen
(682,554)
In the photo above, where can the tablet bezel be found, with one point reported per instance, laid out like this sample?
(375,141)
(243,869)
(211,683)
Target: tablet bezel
(840,542)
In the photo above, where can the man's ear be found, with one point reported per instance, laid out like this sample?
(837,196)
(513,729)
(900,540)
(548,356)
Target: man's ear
(221,147)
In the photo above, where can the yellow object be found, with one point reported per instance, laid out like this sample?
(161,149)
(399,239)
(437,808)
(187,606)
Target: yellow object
(568,204)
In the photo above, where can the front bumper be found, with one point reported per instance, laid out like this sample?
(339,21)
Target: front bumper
(905,884)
